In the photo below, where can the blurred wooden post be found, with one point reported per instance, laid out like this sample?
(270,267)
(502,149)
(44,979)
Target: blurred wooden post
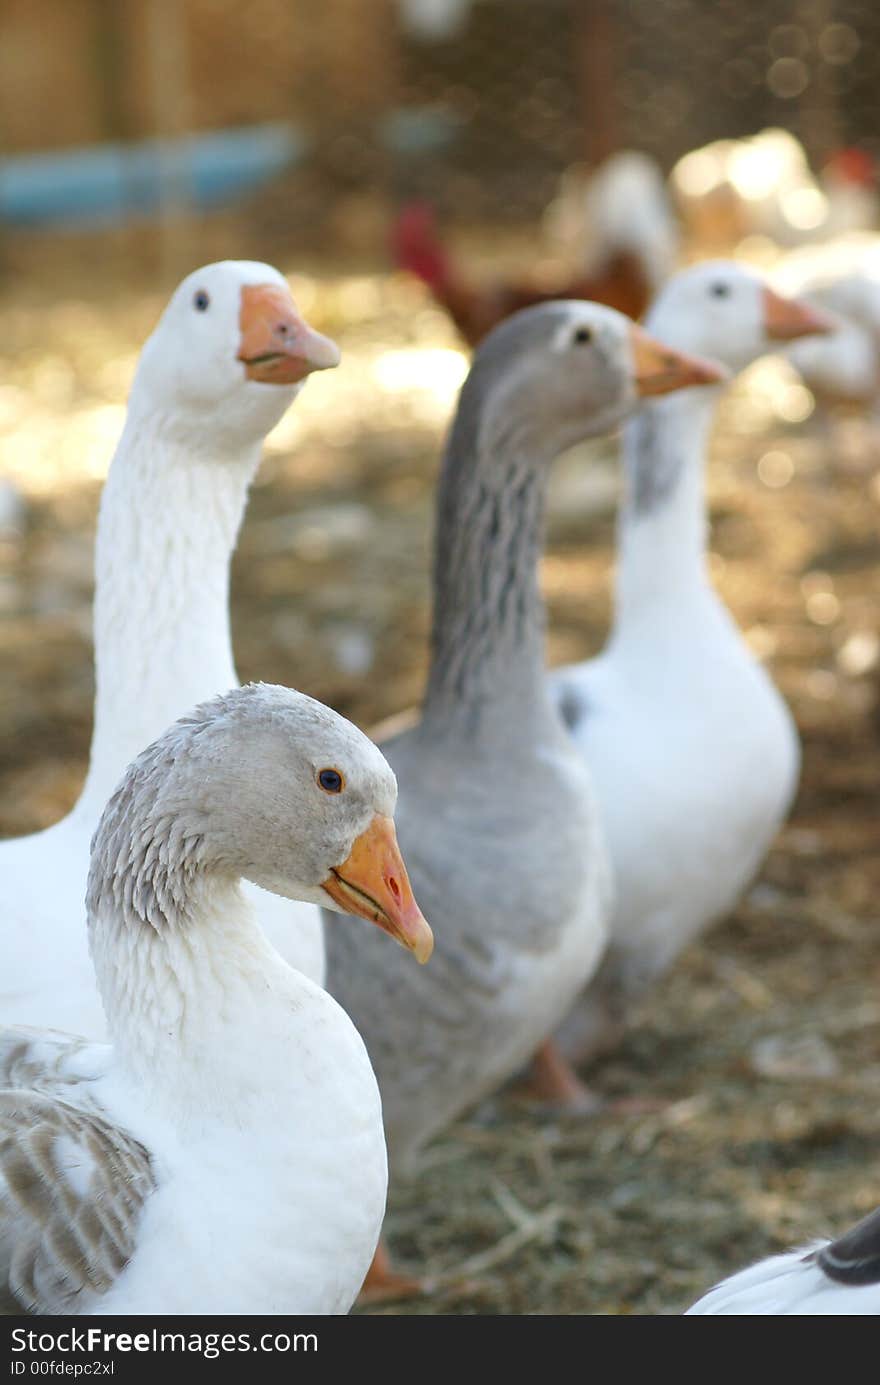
(596,61)
(352,49)
(171,116)
(819,107)
(351,84)
(111,68)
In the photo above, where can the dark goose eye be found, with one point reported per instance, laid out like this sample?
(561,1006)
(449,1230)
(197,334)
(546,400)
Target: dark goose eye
(720,290)
(330,780)
(201,301)
(583,335)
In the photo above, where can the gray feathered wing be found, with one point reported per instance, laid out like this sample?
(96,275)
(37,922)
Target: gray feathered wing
(72,1184)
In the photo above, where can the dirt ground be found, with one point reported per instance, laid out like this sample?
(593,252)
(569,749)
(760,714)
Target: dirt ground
(762,1050)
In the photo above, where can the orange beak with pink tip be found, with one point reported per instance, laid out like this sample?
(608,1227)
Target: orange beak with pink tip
(276,345)
(660,370)
(786,319)
(373,883)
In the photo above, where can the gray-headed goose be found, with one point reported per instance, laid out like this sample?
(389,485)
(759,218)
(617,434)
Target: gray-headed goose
(225,1154)
(497,814)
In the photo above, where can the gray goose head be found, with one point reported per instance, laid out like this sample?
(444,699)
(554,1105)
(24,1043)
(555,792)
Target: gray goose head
(262,783)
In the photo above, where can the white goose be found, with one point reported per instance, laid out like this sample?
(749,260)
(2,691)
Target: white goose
(843,367)
(763,186)
(828,1279)
(618,213)
(692,751)
(226,1154)
(226,360)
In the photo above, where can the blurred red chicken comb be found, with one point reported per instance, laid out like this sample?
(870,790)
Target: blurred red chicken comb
(852,165)
(416,245)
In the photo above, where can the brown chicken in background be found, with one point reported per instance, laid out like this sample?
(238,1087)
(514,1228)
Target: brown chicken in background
(477,307)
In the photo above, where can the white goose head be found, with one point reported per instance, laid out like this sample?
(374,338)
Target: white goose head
(728,312)
(561,372)
(266,784)
(228,355)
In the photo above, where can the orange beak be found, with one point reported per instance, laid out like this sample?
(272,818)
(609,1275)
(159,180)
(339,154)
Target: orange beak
(786,319)
(373,883)
(276,346)
(660,370)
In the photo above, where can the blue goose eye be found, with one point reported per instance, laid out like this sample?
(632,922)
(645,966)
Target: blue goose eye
(201,301)
(719,290)
(583,335)
(330,780)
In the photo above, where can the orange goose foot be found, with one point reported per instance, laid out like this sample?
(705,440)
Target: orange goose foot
(554,1083)
(384,1284)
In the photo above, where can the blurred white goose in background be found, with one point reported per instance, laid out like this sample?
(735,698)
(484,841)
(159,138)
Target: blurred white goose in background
(621,208)
(226,1154)
(226,360)
(842,277)
(827,1279)
(764,186)
(692,751)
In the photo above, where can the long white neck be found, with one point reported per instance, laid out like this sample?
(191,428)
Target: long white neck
(199,1005)
(662,528)
(167,527)
(205,1017)
(249,1073)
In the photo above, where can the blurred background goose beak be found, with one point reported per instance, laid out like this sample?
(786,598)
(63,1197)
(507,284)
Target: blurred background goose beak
(786,319)
(660,370)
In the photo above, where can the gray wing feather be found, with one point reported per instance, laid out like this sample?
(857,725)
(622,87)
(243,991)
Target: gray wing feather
(72,1184)
(50,1061)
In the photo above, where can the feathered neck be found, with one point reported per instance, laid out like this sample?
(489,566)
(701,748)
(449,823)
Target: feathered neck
(198,1003)
(168,523)
(487,666)
(662,527)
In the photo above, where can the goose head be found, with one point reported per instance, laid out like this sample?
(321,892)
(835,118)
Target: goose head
(229,354)
(727,311)
(553,375)
(845,365)
(266,784)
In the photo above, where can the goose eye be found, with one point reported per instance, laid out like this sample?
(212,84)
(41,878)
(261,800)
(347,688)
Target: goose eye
(720,290)
(201,301)
(330,780)
(583,335)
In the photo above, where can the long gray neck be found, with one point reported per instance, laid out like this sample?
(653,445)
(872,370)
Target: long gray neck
(167,527)
(662,526)
(487,666)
